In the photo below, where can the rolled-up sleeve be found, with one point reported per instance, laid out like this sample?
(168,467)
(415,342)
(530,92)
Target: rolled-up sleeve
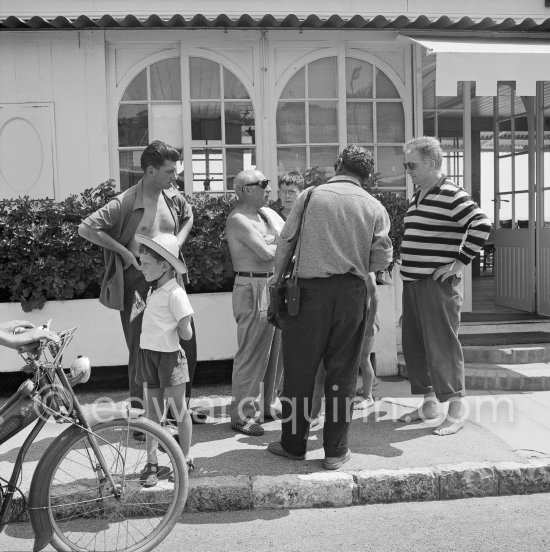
(106,217)
(381,254)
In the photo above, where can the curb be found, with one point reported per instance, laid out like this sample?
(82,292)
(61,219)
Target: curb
(338,489)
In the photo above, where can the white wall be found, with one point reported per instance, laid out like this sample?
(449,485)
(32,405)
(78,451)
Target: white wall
(67,73)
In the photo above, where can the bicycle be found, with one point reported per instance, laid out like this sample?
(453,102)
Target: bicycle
(85,493)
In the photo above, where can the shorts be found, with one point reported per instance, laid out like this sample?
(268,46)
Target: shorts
(161,369)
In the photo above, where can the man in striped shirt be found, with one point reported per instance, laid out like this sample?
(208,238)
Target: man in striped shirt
(444,230)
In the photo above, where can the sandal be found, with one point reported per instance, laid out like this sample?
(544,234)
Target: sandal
(249,427)
(151,474)
(198,416)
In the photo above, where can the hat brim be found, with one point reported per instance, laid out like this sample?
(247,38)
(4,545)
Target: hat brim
(178,265)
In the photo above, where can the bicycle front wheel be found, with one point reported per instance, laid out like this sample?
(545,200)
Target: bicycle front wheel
(87,512)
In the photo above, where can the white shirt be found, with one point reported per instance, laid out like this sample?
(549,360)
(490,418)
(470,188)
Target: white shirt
(166,306)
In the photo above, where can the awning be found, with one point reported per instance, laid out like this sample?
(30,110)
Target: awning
(486,62)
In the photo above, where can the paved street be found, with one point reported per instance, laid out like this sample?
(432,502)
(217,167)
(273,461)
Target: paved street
(519,523)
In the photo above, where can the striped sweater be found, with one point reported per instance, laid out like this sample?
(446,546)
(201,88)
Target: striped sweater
(446,225)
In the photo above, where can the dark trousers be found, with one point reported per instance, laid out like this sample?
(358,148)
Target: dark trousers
(134,281)
(330,325)
(432,351)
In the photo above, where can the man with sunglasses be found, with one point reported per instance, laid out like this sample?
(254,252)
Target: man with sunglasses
(444,230)
(252,229)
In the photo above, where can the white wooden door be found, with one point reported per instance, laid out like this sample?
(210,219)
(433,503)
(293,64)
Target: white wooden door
(543,199)
(26,151)
(514,235)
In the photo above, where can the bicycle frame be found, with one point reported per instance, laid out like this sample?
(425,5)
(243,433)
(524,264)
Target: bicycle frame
(31,391)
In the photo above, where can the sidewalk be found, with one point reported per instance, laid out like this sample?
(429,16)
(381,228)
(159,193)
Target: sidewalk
(504,449)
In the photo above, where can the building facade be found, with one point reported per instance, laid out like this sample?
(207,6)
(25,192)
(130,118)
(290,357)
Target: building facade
(85,86)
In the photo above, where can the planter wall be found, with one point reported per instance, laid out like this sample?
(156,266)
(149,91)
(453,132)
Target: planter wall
(100,336)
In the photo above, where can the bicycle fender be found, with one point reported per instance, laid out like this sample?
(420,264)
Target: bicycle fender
(38,496)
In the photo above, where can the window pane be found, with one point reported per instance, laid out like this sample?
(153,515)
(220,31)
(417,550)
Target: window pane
(322,79)
(291,159)
(428,81)
(359,120)
(521,172)
(166,80)
(137,89)
(429,123)
(546,168)
(358,78)
(233,88)
(291,123)
(130,168)
(505,211)
(205,79)
(522,210)
(132,125)
(296,87)
(384,86)
(505,174)
(239,123)
(206,121)
(166,124)
(207,170)
(390,166)
(546,208)
(323,122)
(323,158)
(237,160)
(390,122)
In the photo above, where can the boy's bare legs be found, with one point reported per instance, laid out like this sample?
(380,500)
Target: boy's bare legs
(455,418)
(154,407)
(175,395)
(428,410)
(367,374)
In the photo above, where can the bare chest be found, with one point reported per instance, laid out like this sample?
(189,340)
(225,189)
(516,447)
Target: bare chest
(157,218)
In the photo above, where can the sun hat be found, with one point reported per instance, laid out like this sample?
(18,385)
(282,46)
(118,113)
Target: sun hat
(166,245)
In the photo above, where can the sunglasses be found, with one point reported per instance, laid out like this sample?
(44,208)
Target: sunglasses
(409,165)
(262,183)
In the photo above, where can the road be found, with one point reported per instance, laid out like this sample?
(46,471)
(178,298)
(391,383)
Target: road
(519,523)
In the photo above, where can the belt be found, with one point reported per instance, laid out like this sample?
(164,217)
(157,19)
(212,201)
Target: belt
(254,274)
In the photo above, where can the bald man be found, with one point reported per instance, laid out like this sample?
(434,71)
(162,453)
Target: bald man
(252,229)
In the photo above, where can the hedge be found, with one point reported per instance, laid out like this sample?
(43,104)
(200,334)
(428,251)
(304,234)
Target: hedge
(43,257)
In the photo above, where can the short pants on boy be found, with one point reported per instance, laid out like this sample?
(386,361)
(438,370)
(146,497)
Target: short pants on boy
(161,369)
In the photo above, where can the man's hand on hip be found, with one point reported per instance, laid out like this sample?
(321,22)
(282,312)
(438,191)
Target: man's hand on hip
(446,271)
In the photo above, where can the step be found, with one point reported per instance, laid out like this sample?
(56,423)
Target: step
(534,376)
(508,354)
(508,377)
(509,338)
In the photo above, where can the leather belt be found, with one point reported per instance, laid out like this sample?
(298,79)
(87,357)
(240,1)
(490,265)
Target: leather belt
(254,274)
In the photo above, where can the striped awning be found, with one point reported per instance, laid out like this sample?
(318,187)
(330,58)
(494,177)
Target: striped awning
(290,21)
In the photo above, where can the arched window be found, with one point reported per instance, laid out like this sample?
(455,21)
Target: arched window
(310,134)
(221,132)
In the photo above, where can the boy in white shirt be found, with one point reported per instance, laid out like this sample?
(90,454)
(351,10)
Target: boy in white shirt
(162,366)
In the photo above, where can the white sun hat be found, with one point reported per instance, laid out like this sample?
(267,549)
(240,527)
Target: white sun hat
(166,245)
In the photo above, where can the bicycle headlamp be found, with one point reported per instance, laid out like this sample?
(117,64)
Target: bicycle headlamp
(81,369)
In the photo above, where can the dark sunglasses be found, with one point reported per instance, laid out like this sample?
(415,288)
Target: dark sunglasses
(409,165)
(262,183)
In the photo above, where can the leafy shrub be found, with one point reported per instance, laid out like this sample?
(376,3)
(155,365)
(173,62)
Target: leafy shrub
(41,254)
(43,257)
(205,251)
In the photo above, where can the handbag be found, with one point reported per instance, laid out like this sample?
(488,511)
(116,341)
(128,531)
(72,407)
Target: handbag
(284,294)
